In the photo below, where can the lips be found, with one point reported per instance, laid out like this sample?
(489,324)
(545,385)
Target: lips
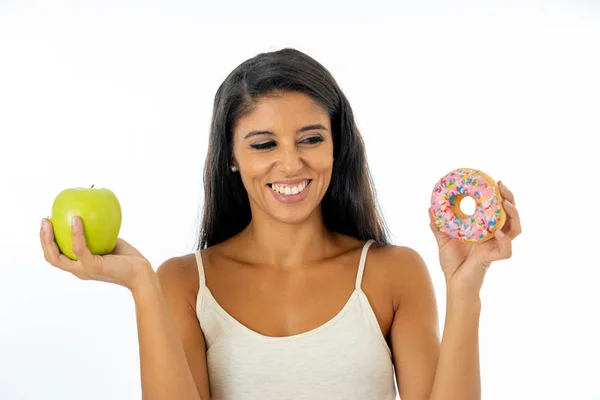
(289,188)
(290,194)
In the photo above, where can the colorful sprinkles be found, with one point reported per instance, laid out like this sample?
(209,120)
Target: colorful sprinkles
(445,202)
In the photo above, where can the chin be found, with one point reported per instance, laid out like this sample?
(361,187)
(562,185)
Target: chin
(291,216)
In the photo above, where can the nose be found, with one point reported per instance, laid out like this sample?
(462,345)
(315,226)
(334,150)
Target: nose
(289,161)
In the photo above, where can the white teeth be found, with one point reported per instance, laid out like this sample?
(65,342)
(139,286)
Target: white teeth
(287,190)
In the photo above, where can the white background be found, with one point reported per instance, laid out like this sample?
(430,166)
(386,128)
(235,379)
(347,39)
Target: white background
(119,94)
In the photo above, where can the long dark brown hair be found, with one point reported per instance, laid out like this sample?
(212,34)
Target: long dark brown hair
(349,205)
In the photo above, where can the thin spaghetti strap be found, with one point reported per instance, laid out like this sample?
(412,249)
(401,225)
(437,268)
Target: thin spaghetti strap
(361,265)
(201,277)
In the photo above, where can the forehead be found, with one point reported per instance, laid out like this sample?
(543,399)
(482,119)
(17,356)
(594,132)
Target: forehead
(283,111)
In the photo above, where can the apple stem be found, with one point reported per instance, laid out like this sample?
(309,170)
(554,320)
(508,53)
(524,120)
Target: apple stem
(92,186)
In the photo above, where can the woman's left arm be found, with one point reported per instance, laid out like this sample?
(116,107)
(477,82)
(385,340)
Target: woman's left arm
(426,369)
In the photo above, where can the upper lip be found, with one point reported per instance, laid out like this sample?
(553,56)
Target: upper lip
(290,182)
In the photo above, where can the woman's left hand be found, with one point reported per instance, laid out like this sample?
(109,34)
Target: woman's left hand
(465,263)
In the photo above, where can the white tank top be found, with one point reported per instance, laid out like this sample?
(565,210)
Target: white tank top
(345,358)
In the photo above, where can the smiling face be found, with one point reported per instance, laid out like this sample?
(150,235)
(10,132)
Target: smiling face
(284,153)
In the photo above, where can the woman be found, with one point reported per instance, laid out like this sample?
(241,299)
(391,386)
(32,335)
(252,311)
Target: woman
(280,300)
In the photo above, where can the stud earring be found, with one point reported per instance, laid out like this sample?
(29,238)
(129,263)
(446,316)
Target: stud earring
(233,168)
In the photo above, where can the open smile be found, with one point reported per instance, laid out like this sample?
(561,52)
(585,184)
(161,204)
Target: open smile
(290,193)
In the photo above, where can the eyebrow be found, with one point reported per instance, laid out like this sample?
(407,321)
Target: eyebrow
(303,129)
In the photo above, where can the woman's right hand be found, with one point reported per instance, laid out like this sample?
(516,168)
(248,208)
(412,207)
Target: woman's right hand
(124,266)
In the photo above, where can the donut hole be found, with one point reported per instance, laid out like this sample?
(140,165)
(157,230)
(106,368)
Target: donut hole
(468,205)
(464,206)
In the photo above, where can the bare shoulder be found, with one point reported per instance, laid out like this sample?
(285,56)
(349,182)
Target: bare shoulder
(179,274)
(178,268)
(404,268)
(414,331)
(178,278)
(182,271)
(399,259)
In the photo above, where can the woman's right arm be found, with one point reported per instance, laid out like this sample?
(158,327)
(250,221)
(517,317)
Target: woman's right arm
(172,347)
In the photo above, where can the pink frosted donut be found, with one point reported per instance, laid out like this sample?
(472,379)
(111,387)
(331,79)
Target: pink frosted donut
(449,191)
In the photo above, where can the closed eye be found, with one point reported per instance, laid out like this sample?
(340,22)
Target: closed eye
(313,140)
(270,144)
(263,146)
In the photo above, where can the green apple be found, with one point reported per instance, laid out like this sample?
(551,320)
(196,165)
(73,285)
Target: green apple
(100,213)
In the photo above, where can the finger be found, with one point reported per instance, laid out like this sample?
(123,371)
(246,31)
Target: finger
(440,236)
(503,248)
(506,193)
(513,225)
(79,245)
(52,253)
(43,238)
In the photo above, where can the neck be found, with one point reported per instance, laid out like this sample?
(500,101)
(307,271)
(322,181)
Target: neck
(285,244)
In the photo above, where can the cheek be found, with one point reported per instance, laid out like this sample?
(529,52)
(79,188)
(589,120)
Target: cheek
(253,163)
(253,170)
(321,159)
(257,167)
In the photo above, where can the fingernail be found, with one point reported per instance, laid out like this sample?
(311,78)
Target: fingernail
(500,234)
(44,225)
(509,204)
(74,223)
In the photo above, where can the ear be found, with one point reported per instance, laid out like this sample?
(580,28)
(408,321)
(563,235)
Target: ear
(233,165)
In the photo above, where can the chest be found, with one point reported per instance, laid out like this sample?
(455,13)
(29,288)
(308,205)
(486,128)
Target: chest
(279,303)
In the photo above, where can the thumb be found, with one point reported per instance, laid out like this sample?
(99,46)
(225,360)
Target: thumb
(440,236)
